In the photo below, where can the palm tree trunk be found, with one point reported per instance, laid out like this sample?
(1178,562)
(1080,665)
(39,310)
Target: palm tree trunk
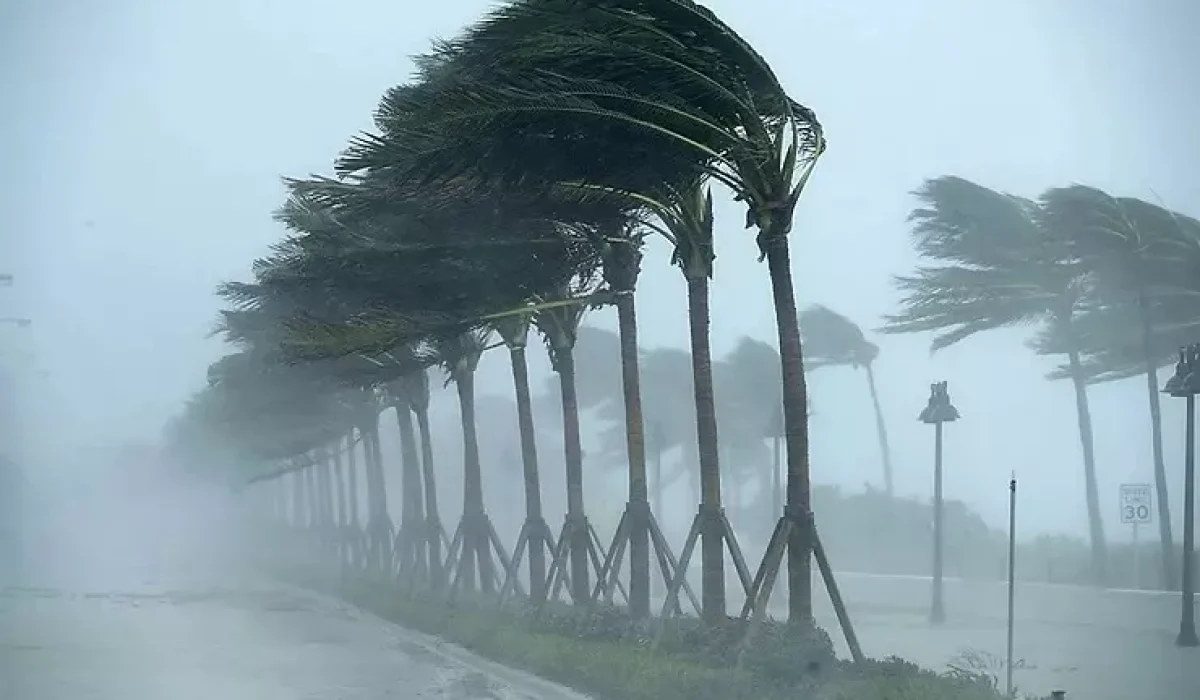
(433,520)
(339,482)
(352,480)
(1170,577)
(298,500)
(412,514)
(379,525)
(881,431)
(325,493)
(280,502)
(635,445)
(573,449)
(659,485)
(776,476)
(475,543)
(795,425)
(711,553)
(312,518)
(376,465)
(1095,520)
(533,487)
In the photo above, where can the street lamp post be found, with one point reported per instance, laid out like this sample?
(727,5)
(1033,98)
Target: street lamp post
(939,410)
(1186,383)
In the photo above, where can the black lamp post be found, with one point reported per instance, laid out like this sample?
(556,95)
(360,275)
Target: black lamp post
(1186,383)
(939,410)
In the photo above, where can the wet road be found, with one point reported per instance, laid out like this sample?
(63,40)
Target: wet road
(149,603)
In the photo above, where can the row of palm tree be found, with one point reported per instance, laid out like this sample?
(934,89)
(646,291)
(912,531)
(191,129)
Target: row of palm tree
(510,186)
(1108,282)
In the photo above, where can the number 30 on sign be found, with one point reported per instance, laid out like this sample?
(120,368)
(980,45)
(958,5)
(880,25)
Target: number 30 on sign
(1136,501)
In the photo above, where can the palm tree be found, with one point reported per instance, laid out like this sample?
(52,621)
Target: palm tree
(999,265)
(559,325)
(832,339)
(670,80)
(416,390)
(411,540)
(459,355)
(514,330)
(689,224)
(752,405)
(1140,256)
(599,350)
(402,262)
(667,378)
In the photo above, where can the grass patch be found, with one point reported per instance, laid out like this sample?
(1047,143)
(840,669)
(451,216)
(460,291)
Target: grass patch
(606,656)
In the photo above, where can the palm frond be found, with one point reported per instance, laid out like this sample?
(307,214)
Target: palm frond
(832,339)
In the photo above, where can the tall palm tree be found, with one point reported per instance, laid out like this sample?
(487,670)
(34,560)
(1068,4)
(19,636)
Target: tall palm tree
(459,355)
(416,390)
(411,540)
(832,339)
(669,79)
(1140,255)
(752,399)
(689,223)
(514,330)
(996,264)
(559,325)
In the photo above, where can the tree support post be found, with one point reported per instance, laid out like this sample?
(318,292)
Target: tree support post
(472,549)
(796,525)
(535,536)
(638,514)
(710,525)
(577,542)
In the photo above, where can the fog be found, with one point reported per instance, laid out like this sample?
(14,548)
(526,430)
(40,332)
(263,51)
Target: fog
(143,146)
(147,173)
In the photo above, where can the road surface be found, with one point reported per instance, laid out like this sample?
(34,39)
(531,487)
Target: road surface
(127,601)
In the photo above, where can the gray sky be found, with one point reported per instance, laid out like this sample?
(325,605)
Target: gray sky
(143,156)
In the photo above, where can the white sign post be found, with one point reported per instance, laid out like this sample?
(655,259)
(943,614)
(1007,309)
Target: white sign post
(1137,501)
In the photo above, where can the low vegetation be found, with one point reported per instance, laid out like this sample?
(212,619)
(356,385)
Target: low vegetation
(604,654)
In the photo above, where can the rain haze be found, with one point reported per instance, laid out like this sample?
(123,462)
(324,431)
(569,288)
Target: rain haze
(145,145)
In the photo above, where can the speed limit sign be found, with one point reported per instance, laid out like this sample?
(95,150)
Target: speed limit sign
(1136,502)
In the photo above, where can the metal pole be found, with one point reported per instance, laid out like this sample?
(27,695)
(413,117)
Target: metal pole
(1012,578)
(937,610)
(1137,559)
(1187,621)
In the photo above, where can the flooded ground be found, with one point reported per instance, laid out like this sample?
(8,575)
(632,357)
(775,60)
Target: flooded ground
(144,604)
(1090,662)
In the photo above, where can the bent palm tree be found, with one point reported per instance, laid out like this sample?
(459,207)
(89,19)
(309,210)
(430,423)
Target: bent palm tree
(999,266)
(559,326)
(1139,253)
(832,339)
(668,79)
(514,330)
(459,355)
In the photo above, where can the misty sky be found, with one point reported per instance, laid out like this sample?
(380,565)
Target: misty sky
(143,142)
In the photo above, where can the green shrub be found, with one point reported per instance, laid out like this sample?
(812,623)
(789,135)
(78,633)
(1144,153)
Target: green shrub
(607,656)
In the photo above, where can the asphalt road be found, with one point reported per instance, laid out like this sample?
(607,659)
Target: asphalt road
(124,600)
